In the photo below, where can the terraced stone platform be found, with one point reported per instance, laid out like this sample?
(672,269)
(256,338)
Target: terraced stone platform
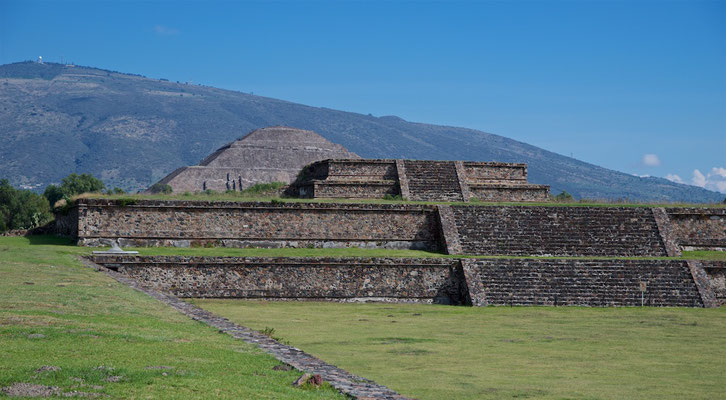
(558,231)
(581,282)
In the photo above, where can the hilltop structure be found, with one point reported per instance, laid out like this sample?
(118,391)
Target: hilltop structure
(274,154)
(419,180)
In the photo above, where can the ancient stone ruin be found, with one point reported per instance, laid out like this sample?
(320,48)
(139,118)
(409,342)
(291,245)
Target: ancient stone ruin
(274,154)
(603,256)
(418,180)
(532,254)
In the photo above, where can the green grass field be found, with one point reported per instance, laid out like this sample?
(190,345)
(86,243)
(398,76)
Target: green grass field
(55,312)
(86,320)
(446,352)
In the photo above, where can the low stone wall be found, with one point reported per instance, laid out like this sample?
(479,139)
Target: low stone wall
(699,228)
(338,279)
(558,231)
(513,281)
(716,277)
(581,282)
(191,223)
(514,193)
(495,172)
(348,189)
(420,180)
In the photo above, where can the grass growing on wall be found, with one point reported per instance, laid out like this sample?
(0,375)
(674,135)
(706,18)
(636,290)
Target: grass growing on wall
(259,195)
(446,352)
(109,339)
(66,246)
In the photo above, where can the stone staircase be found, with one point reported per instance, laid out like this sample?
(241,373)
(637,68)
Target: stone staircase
(585,282)
(433,181)
(558,231)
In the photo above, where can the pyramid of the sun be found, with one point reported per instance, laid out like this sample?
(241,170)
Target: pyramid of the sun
(274,154)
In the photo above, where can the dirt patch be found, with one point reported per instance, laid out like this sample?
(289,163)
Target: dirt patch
(30,390)
(36,336)
(48,368)
(82,394)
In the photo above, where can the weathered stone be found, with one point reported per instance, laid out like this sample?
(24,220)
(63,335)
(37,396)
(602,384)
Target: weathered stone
(188,223)
(418,180)
(558,231)
(698,228)
(581,282)
(348,279)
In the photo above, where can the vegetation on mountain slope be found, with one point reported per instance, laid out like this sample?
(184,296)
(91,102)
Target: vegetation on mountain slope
(131,131)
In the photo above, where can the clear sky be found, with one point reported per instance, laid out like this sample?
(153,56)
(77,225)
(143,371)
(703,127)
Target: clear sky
(636,86)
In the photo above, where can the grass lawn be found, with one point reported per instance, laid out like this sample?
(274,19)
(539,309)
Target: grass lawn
(446,352)
(357,252)
(109,339)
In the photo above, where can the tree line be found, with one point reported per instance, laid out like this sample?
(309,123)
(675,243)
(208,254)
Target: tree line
(25,209)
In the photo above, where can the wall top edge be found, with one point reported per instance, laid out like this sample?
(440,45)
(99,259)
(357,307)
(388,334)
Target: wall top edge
(696,210)
(132,259)
(143,203)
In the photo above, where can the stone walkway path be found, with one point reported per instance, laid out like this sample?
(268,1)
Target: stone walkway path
(340,379)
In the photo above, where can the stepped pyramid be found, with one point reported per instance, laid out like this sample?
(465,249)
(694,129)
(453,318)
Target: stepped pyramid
(273,154)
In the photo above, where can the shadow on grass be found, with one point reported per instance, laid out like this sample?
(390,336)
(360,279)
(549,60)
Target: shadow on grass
(50,240)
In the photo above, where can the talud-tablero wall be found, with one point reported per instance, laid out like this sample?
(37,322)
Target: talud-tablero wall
(486,230)
(231,224)
(481,230)
(480,282)
(428,280)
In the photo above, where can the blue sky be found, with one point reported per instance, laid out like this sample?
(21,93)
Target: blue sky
(636,86)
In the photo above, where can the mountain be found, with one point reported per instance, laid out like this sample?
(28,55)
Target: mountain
(131,131)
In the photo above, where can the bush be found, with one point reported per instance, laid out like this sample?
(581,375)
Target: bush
(160,188)
(259,189)
(563,197)
(72,185)
(392,197)
(116,190)
(21,209)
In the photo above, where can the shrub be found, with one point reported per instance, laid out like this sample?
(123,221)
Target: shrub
(563,197)
(160,188)
(392,197)
(72,185)
(21,209)
(263,188)
(116,190)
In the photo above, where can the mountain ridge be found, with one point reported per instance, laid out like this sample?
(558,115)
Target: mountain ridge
(131,131)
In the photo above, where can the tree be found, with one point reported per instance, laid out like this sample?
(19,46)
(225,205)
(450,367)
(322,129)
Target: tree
(72,185)
(21,209)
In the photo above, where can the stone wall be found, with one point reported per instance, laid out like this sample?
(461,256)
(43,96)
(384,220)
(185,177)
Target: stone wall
(418,180)
(339,279)
(495,172)
(510,193)
(558,231)
(500,281)
(355,190)
(581,282)
(716,277)
(354,178)
(231,224)
(699,228)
